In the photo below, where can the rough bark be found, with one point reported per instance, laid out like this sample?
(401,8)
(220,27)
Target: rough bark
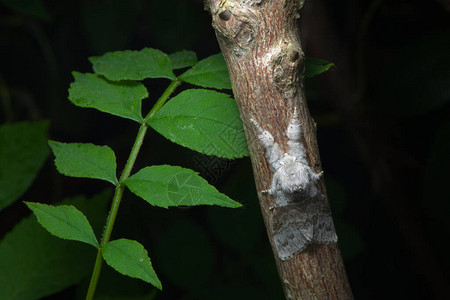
(260,43)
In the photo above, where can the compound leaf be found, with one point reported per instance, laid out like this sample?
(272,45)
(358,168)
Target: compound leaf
(23,151)
(85,160)
(210,72)
(133,65)
(166,186)
(130,258)
(64,221)
(205,121)
(121,99)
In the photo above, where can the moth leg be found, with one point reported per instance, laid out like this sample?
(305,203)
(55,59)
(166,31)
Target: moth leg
(273,152)
(318,175)
(270,191)
(274,188)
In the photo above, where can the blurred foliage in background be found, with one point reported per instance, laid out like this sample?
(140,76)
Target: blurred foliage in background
(383,130)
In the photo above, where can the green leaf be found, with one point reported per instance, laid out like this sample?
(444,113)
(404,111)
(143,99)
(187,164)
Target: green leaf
(183,59)
(85,160)
(205,121)
(133,65)
(210,72)
(64,221)
(23,151)
(121,99)
(130,258)
(166,186)
(315,66)
(35,264)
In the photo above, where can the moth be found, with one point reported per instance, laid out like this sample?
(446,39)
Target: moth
(301,214)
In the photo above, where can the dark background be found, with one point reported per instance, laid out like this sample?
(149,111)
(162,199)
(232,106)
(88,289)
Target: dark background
(383,128)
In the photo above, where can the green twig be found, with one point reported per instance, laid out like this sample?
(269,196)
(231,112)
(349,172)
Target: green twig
(169,90)
(120,187)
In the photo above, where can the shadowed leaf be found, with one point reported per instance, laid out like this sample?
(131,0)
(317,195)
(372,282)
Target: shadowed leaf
(210,72)
(35,264)
(23,151)
(315,66)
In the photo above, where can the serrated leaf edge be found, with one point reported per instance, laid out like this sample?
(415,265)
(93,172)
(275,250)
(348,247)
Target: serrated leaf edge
(114,180)
(36,205)
(211,188)
(159,285)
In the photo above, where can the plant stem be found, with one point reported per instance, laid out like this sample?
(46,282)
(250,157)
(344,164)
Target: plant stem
(169,90)
(120,187)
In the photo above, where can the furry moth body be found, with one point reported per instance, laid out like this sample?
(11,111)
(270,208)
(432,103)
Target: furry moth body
(301,216)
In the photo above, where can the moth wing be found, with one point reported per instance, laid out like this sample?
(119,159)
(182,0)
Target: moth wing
(290,242)
(293,231)
(324,232)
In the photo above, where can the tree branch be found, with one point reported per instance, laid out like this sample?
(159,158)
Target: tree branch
(260,43)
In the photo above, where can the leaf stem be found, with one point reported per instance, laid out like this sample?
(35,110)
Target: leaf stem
(120,187)
(169,90)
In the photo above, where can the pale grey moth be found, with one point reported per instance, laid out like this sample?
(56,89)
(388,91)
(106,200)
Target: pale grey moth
(301,215)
